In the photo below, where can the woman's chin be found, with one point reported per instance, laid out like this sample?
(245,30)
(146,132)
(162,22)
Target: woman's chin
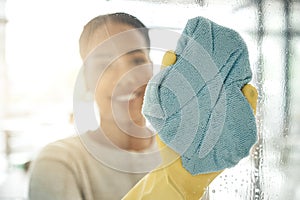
(138,120)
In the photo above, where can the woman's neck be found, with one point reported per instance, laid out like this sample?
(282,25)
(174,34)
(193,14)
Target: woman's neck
(128,137)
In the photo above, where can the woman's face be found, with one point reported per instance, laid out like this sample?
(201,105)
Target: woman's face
(121,68)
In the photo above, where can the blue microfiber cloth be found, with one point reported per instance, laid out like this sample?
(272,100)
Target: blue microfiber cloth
(196,105)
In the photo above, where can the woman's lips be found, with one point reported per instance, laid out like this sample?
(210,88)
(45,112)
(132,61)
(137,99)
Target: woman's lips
(125,97)
(129,95)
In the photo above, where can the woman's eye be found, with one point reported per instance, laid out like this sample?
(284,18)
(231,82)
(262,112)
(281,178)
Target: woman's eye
(139,61)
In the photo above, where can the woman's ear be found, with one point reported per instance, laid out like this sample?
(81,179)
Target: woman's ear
(83,92)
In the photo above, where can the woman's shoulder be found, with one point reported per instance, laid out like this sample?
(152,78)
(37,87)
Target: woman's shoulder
(62,150)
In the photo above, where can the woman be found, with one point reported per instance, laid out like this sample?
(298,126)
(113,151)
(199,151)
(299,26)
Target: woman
(108,162)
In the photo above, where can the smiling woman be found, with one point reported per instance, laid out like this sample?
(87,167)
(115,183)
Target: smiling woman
(118,85)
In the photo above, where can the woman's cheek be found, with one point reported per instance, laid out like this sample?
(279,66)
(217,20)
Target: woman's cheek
(135,107)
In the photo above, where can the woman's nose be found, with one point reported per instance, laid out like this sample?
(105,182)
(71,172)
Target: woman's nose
(137,76)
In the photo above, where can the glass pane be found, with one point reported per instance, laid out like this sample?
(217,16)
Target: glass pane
(40,62)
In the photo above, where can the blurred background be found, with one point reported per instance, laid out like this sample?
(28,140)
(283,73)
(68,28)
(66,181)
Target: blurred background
(39,62)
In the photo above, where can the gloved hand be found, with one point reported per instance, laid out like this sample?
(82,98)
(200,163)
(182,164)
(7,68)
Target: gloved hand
(171,180)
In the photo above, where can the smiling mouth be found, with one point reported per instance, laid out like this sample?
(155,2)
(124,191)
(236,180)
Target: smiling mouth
(130,95)
(126,97)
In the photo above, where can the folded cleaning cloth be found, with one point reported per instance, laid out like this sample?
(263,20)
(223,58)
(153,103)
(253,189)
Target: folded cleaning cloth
(196,105)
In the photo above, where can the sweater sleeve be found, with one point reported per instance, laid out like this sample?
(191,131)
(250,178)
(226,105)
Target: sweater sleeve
(53,178)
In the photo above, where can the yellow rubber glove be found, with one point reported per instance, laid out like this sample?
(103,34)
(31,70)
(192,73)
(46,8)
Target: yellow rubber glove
(171,180)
